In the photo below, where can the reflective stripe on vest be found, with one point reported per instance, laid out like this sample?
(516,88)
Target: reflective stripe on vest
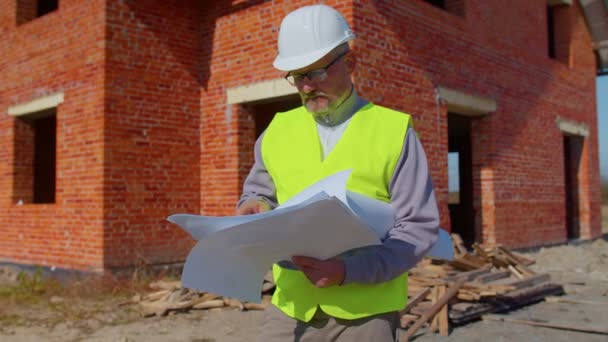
(371,145)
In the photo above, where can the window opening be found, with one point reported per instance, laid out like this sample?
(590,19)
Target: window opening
(35,157)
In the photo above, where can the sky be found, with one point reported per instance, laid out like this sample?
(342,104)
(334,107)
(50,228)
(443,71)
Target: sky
(602,123)
(602,113)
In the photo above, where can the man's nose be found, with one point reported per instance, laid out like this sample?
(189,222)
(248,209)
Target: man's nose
(307,86)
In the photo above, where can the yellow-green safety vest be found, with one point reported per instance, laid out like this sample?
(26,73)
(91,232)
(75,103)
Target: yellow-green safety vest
(371,146)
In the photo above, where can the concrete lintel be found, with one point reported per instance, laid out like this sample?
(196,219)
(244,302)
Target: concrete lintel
(260,91)
(553,3)
(41,103)
(465,104)
(572,127)
(600,45)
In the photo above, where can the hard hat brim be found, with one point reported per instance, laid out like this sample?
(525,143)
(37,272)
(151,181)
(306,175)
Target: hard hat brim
(302,61)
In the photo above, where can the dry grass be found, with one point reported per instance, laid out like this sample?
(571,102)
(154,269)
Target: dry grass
(87,301)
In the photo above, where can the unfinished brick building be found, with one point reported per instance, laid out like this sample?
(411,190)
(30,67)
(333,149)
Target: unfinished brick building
(115,114)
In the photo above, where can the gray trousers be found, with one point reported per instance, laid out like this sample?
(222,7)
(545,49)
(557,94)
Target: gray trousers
(278,327)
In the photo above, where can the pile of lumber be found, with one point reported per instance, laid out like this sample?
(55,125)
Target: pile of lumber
(170,297)
(473,284)
(486,280)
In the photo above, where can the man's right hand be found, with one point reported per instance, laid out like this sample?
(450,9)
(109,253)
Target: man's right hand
(252,206)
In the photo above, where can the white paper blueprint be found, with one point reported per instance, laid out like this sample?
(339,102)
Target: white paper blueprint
(232,262)
(234,253)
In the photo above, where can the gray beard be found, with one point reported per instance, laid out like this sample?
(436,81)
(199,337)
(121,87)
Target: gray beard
(332,116)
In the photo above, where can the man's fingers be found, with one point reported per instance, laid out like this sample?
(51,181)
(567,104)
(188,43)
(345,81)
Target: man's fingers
(252,206)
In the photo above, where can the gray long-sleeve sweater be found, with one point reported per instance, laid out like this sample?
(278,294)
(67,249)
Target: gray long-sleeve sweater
(412,198)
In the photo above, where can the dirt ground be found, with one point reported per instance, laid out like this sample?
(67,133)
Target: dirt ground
(44,312)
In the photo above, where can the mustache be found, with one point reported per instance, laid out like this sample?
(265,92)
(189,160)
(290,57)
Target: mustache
(314,95)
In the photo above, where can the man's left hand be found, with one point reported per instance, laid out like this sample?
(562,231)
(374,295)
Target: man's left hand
(321,273)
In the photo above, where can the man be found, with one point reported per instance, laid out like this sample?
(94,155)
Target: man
(354,296)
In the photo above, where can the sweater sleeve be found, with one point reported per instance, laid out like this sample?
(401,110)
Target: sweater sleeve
(258,183)
(416,222)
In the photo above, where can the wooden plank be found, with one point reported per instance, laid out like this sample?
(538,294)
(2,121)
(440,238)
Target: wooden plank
(414,301)
(406,319)
(486,278)
(509,301)
(421,308)
(209,304)
(459,247)
(470,275)
(548,324)
(524,270)
(468,296)
(165,285)
(518,258)
(515,272)
(474,259)
(434,327)
(465,265)
(477,248)
(451,292)
(234,303)
(425,281)
(443,320)
(532,281)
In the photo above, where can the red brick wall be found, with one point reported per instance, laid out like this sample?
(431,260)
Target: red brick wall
(500,53)
(59,52)
(145,130)
(151,132)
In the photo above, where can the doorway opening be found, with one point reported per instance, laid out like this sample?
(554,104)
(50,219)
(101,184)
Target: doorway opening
(460,177)
(573,150)
(264,110)
(255,117)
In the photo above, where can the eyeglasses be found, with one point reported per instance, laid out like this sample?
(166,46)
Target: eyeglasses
(316,75)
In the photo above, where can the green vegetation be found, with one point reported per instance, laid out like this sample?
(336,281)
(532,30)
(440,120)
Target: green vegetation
(30,288)
(37,299)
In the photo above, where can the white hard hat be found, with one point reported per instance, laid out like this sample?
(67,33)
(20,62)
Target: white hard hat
(309,33)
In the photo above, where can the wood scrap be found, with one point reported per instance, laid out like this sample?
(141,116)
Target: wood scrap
(444,325)
(515,272)
(435,295)
(452,291)
(520,284)
(407,319)
(166,285)
(518,259)
(414,301)
(484,281)
(486,278)
(471,275)
(496,280)
(459,248)
(234,303)
(209,304)
(156,295)
(510,301)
